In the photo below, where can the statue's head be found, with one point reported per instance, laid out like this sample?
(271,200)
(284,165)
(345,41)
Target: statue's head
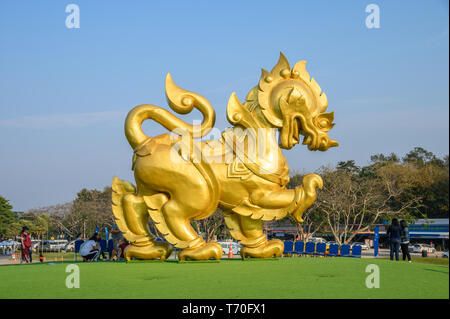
(293,102)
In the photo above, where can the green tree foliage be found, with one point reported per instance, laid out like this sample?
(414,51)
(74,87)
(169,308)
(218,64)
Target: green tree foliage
(421,157)
(432,182)
(348,166)
(9,221)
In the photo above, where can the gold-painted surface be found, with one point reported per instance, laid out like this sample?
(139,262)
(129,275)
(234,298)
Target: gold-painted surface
(173,187)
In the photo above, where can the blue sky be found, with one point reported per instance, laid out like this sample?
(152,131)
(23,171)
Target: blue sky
(64,93)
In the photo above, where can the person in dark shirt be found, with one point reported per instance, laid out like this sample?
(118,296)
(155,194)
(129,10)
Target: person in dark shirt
(394,238)
(404,237)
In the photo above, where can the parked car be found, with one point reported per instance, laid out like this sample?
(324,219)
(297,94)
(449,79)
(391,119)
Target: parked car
(54,245)
(419,248)
(235,248)
(445,254)
(36,245)
(364,246)
(70,246)
(428,248)
(316,239)
(10,243)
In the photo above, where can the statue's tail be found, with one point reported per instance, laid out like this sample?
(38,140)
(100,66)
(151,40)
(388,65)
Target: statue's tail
(180,101)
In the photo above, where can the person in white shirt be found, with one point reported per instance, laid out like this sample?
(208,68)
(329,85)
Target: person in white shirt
(90,249)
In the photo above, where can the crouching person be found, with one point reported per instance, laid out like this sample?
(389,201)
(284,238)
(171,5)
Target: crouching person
(90,250)
(122,245)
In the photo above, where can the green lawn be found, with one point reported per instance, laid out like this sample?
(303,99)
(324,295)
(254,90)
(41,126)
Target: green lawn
(429,260)
(274,279)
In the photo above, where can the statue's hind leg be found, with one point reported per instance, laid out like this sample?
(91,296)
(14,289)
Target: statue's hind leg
(132,219)
(172,218)
(136,215)
(250,234)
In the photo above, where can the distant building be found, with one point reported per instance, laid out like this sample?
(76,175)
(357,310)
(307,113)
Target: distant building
(429,229)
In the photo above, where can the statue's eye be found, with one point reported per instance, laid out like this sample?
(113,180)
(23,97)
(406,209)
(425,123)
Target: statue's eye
(323,123)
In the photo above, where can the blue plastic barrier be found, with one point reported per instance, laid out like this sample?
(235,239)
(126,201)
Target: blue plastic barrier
(356,251)
(333,251)
(103,246)
(78,244)
(299,247)
(309,248)
(288,247)
(320,249)
(110,246)
(345,250)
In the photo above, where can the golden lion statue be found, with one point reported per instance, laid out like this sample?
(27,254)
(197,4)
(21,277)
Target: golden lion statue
(243,172)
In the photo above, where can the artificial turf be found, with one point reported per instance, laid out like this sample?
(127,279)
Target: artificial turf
(285,278)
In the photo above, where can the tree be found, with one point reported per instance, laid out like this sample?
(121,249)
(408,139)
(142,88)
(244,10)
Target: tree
(52,218)
(352,203)
(9,221)
(91,209)
(381,158)
(422,157)
(210,227)
(5,205)
(431,184)
(348,166)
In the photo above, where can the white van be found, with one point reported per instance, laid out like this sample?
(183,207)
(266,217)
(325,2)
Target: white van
(55,245)
(235,248)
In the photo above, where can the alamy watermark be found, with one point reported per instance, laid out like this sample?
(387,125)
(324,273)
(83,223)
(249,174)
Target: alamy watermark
(73,19)
(247,145)
(73,279)
(373,279)
(373,19)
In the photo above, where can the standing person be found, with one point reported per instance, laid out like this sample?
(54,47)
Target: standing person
(394,238)
(404,236)
(25,245)
(90,249)
(116,236)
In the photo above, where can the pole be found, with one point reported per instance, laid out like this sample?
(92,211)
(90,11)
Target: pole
(375,241)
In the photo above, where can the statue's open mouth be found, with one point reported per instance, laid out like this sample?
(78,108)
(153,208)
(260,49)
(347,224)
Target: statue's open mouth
(316,140)
(295,128)
(291,133)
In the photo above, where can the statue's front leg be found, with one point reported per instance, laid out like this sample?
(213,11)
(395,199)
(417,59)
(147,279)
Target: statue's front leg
(295,201)
(251,236)
(308,194)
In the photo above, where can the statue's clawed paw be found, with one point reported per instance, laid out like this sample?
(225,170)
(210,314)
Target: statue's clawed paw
(204,252)
(157,250)
(273,248)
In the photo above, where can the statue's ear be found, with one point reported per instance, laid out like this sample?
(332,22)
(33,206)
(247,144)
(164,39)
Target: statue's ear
(324,121)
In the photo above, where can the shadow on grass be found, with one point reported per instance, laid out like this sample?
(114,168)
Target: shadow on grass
(441,271)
